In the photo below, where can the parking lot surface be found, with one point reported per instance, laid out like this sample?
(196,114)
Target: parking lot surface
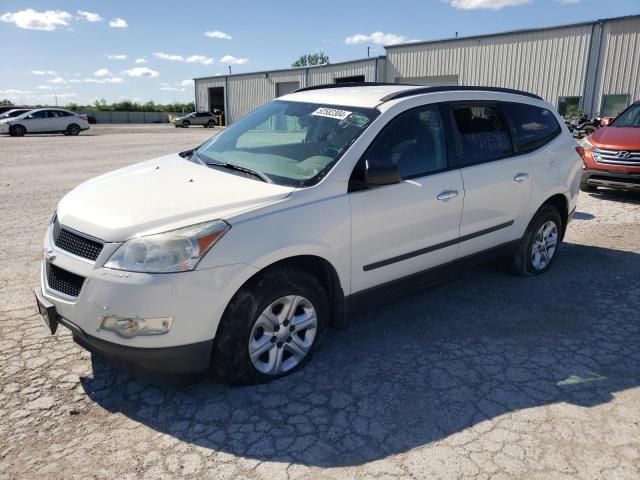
(488,376)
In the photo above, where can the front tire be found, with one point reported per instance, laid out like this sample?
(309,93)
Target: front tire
(271,327)
(538,248)
(185,124)
(17,131)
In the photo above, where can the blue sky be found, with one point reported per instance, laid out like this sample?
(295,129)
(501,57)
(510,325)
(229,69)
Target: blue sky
(81,50)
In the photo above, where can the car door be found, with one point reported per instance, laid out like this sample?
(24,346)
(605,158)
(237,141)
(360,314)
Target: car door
(497,182)
(35,122)
(202,118)
(404,228)
(56,121)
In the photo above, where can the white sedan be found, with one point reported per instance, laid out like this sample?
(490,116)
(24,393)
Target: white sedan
(45,120)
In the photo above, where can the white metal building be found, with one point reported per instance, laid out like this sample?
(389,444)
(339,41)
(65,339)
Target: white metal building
(591,66)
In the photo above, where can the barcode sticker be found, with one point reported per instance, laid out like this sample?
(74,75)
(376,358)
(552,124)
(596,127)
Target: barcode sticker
(331,113)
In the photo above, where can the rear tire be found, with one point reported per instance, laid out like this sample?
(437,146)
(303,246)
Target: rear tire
(17,131)
(210,124)
(538,248)
(261,319)
(73,129)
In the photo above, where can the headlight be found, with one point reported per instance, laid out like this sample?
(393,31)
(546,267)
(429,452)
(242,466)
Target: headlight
(134,327)
(585,143)
(175,251)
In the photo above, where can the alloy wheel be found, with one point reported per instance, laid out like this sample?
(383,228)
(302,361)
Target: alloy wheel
(544,245)
(282,335)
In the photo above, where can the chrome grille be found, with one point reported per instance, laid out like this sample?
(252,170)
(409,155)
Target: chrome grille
(76,244)
(616,157)
(63,281)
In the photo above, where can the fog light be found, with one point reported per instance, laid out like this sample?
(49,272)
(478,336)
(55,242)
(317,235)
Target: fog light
(133,327)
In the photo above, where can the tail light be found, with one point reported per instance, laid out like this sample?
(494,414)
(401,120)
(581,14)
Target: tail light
(84,117)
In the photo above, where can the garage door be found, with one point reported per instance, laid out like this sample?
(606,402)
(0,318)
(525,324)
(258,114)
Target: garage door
(440,81)
(283,88)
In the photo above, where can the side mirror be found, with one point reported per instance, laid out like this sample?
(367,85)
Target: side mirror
(381,173)
(605,121)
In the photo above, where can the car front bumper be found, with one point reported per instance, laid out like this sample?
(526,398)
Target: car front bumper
(611,179)
(195,301)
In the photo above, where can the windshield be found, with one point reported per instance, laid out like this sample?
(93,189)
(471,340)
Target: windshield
(291,143)
(629,118)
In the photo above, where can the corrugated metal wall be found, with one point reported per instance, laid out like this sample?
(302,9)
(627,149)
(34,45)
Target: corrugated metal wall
(202,90)
(619,65)
(550,63)
(328,74)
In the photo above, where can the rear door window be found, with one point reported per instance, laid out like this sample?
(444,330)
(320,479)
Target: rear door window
(482,133)
(532,126)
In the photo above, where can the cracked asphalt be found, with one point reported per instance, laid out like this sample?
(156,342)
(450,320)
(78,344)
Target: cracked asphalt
(487,376)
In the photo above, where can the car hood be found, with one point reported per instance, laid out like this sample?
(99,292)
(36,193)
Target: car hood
(617,138)
(159,195)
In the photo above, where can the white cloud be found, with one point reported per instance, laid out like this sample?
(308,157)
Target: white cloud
(118,23)
(217,34)
(12,91)
(378,38)
(33,20)
(140,61)
(57,80)
(44,87)
(74,80)
(568,2)
(141,72)
(179,58)
(231,60)
(102,72)
(44,72)
(168,88)
(186,83)
(117,56)
(89,16)
(60,96)
(485,4)
(104,80)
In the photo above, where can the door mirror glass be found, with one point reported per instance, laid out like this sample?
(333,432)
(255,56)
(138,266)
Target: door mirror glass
(381,173)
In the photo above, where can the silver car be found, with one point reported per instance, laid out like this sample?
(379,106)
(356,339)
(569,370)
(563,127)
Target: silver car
(206,119)
(45,120)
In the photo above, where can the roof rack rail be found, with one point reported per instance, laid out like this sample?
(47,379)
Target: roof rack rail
(344,85)
(463,88)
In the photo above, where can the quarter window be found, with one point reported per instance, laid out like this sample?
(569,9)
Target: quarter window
(414,141)
(533,126)
(483,134)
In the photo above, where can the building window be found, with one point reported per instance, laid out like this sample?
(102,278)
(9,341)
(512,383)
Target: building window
(569,106)
(613,105)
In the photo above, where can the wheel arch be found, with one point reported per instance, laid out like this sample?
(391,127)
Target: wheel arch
(561,203)
(319,267)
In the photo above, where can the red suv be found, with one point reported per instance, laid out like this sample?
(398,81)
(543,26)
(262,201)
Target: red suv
(612,154)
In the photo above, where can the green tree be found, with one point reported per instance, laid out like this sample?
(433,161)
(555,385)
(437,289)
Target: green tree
(319,58)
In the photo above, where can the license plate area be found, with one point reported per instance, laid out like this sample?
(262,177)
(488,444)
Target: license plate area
(47,311)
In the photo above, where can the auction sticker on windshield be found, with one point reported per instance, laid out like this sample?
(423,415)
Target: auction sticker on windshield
(331,113)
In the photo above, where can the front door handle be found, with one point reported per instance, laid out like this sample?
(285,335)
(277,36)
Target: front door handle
(447,195)
(521,177)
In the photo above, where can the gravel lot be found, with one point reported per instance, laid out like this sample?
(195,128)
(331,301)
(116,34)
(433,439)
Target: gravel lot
(488,376)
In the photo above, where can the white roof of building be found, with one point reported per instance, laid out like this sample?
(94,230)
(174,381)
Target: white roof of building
(364,96)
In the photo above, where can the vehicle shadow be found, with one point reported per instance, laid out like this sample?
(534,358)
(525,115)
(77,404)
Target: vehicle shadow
(625,196)
(420,369)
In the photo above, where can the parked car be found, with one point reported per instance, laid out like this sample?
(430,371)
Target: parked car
(14,113)
(206,119)
(45,120)
(612,154)
(6,108)
(237,255)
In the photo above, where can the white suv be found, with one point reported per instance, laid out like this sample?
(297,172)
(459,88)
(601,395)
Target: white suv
(236,256)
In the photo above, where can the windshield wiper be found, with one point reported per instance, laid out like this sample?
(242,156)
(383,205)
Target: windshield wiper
(239,168)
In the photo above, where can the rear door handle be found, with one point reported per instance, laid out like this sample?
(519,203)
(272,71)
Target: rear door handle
(447,195)
(521,177)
